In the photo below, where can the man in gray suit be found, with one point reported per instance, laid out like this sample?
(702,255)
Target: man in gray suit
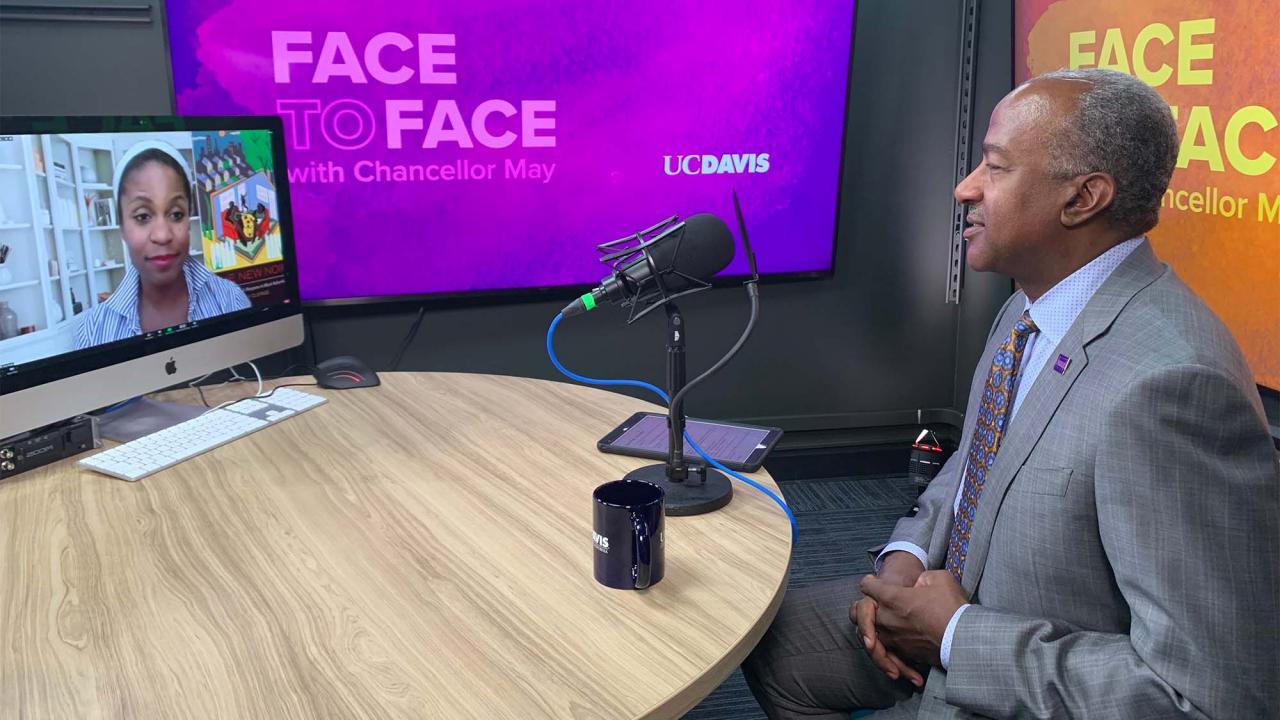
(1106,542)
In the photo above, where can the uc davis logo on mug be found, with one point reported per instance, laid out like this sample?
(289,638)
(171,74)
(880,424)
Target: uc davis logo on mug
(601,542)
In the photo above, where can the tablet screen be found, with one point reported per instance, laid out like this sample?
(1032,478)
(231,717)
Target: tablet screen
(732,443)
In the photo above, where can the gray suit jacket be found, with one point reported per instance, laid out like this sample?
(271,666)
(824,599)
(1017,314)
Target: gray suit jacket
(1125,555)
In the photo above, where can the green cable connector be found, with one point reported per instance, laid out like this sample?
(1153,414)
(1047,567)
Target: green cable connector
(589,301)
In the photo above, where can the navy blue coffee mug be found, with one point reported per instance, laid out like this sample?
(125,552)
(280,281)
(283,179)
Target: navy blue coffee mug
(627,534)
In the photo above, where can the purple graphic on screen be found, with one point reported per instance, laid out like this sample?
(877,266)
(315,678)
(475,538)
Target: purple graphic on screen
(548,131)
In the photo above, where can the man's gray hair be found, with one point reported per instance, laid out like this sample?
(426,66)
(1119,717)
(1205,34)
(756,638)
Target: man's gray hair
(1121,127)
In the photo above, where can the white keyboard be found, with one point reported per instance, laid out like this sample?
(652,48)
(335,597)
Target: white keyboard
(152,453)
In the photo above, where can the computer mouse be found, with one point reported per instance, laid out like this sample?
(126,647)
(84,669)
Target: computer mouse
(344,372)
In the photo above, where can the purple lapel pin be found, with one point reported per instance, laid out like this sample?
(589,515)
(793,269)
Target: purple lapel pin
(1062,364)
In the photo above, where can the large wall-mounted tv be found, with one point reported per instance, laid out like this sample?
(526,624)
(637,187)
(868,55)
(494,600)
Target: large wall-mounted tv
(487,146)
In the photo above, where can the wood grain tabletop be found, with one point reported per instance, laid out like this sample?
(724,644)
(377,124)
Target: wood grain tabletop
(417,550)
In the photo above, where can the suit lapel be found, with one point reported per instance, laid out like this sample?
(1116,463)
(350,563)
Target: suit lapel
(1137,271)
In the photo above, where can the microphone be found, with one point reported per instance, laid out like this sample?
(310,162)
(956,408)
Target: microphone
(681,259)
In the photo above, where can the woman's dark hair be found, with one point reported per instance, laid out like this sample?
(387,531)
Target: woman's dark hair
(139,161)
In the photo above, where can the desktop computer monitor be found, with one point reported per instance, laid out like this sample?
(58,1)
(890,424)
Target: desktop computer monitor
(137,253)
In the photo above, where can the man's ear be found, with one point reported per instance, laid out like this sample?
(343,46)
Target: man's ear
(1093,193)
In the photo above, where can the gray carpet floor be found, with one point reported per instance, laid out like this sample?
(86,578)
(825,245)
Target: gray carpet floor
(839,518)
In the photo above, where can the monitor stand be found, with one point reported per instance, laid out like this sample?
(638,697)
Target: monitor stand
(143,417)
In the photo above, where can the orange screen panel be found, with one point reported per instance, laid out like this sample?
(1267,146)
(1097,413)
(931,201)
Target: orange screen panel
(1215,64)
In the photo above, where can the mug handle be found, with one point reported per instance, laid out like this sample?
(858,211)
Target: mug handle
(640,571)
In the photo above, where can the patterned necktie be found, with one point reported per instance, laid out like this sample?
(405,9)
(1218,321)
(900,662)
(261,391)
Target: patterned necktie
(993,415)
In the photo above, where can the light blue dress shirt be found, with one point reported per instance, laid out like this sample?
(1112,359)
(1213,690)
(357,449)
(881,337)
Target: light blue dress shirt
(1053,313)
(117,319)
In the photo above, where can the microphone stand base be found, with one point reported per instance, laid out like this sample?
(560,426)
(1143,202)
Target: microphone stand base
(694,496)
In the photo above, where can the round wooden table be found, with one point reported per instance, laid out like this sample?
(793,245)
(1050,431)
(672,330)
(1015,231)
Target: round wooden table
(416,550)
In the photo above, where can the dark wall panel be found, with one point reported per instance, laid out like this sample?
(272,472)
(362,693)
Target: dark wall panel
(984,293)
(101,57)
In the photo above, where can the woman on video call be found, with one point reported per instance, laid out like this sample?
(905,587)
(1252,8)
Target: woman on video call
(164,286)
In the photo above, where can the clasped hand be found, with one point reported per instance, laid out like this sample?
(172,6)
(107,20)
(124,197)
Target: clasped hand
(904,614)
